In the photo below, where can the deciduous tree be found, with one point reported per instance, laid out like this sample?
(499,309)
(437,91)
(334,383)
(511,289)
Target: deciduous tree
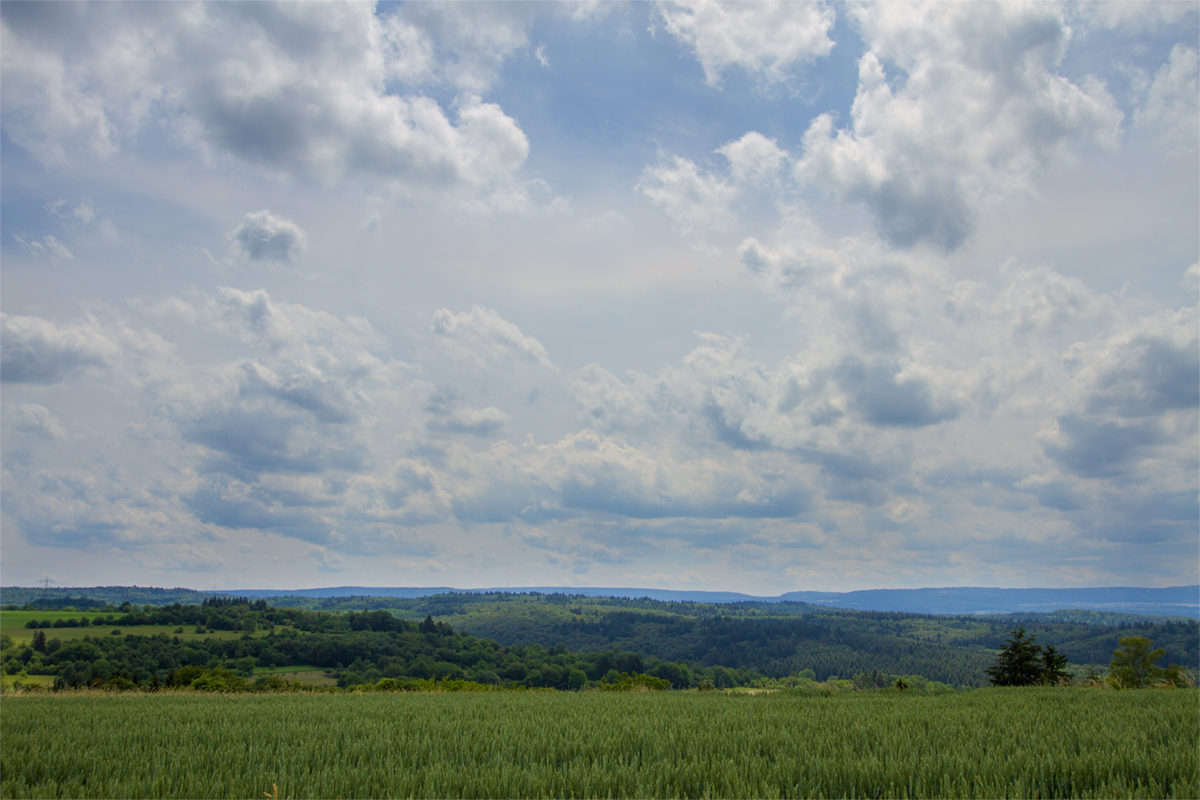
(1133,664)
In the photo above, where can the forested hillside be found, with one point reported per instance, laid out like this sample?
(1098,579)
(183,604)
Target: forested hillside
(540,640)
(780,638)
(356,648)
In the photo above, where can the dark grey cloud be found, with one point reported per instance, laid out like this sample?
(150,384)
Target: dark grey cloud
(1144,517)
(730,430)
(407,480)
(1152,375)
(1181,507)
(257,441)
(326,399)
(912,208)
(850,465)
(1061,497)
(852,476)
(1095,448)
(77,534)
(882,399)
(252,441)
(218,507)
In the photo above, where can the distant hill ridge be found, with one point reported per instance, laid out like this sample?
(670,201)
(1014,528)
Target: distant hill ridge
(1169,601)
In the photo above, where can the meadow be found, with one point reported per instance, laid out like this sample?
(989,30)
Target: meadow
(13,623)
(1032,742)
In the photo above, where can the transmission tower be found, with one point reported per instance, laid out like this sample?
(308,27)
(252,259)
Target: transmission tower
(46,590)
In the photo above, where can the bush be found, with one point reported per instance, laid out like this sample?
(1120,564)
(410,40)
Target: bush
(637,682)
(219,679)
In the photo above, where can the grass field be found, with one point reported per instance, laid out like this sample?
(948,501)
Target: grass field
(13,624)
(309,674)
(28,680)
(987,743)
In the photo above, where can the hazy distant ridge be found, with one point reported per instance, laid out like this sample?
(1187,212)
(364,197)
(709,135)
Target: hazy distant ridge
(1170,601)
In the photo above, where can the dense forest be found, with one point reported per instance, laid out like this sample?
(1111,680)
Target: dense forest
(555,641)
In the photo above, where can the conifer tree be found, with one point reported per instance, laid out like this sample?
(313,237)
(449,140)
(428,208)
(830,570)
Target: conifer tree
(1023,663)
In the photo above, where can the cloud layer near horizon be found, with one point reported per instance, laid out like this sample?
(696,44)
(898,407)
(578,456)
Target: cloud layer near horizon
(891,325)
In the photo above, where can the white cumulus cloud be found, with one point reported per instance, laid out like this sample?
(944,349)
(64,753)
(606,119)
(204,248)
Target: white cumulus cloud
(294,89)
(1172,106)
(957,106)
(36,350)
(263,236)
(486,338)
(763,38)
(37,419)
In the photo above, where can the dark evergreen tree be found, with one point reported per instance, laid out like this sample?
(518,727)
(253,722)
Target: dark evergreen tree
(1020,663)
(1054,666)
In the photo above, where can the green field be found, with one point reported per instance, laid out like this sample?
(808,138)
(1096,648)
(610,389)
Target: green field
(986,743)
(307,674)
(8,681)
(13,624)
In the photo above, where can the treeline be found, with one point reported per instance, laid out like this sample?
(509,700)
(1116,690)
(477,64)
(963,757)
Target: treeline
(356,648)
(1092,644)
(780,638)
(777,647)
(363,647)
(61,596)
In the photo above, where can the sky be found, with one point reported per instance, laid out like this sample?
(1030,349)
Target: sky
(756,297)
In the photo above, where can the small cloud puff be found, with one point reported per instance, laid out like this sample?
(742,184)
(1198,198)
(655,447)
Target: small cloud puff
(262,236)
(448,414)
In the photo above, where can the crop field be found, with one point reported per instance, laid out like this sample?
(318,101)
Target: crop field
(986,743)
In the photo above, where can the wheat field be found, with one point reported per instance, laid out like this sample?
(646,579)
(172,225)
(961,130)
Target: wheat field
(986,743)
